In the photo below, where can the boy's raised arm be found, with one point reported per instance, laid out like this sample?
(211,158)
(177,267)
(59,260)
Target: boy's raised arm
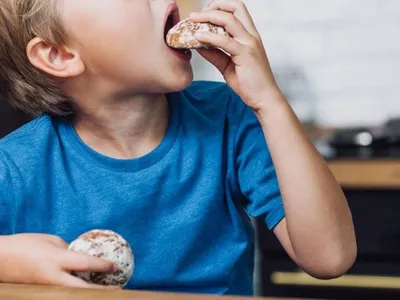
(317,230)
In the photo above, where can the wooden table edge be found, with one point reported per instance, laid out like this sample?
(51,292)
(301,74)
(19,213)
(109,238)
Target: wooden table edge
(37,292)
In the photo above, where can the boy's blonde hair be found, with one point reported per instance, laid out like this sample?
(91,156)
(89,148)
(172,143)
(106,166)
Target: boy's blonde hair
(26,87)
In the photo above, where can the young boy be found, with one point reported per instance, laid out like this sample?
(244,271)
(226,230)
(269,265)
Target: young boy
(124,140)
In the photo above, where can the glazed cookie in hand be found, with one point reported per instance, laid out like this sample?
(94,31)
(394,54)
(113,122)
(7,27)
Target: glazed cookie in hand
(182,35)
(107,245)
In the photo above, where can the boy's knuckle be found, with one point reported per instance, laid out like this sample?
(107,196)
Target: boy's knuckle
(231,19)
(59,241)
(258,38)
(227,40)
(240,4)
(253,45)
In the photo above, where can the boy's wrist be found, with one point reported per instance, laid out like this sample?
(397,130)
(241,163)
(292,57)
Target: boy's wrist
(273,107)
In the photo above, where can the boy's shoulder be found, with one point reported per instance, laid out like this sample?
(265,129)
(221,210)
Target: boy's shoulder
(24,142)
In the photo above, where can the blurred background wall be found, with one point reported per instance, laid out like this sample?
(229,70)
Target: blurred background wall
(337,61)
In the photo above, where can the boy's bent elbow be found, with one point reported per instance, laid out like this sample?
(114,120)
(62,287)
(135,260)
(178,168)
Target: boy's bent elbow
(334,265)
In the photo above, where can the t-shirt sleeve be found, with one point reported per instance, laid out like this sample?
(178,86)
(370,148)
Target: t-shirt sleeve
(255,170)
(5,194)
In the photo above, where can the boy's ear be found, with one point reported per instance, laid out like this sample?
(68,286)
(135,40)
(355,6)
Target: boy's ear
(57,61)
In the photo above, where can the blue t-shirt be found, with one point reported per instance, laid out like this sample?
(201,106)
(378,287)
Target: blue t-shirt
(184,208)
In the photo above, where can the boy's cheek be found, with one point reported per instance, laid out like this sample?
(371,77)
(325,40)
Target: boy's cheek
(105,21)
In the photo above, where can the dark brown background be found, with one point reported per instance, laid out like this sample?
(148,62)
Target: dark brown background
(10,118)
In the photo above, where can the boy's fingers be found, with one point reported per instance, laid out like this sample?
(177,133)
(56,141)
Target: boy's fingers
(57,241)
(68,280)
(239,9)
(53,239)
(65,279)
(226,43)
(79,262)
(224,19)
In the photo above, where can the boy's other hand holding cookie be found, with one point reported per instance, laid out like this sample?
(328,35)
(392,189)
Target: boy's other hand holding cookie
(45,260)
(245,65)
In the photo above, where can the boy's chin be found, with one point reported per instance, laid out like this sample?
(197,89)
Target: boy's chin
(178,83)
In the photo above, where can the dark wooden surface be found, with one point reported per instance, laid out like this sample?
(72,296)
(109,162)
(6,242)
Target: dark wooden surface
(29,292)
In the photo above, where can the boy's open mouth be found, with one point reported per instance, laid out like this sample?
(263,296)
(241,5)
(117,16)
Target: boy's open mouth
(172,20)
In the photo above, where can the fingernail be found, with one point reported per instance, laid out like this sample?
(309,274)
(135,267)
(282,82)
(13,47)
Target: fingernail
(115,268)
(193,14)
(198,35)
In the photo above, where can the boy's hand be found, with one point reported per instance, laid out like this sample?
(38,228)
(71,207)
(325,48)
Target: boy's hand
(246,69)
(45,260)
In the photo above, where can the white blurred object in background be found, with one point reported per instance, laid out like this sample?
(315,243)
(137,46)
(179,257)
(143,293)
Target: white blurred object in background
(338,61)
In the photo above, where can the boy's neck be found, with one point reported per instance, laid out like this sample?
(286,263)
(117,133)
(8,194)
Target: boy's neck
(125,128)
